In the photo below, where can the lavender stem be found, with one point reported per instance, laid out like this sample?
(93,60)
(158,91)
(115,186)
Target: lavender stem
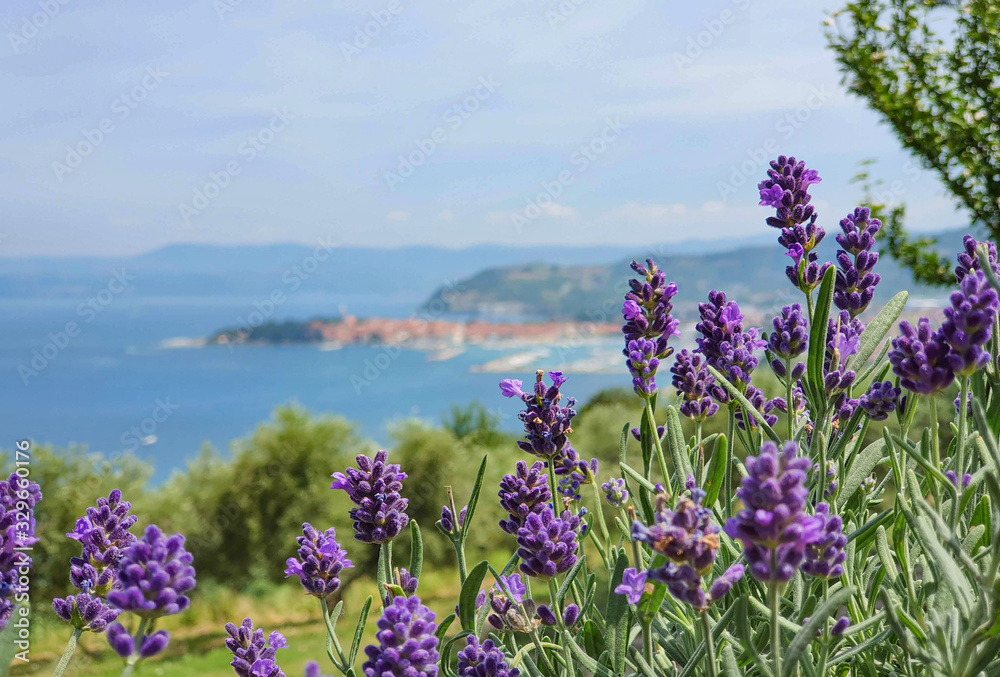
(68,653)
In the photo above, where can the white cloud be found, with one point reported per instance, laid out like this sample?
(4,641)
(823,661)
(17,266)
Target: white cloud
(558,211)
(397,217)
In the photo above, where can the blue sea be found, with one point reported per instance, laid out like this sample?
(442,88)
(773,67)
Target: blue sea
(108,382)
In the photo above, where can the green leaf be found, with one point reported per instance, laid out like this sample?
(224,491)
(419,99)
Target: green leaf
(637,478)
(416,549)
(972,539)
(650,604)
(580,655)
(470,590)
(819,325)
(743,628)
(984,427)
(807,635)
(568,581)
(867,530)
(678,449)
(359,631)
(730,668)
(862,466)
(647,429)
(864,646)
(473,499)
(877,329)
(442,628)
(948,573)
(593,640)
(382,575)
(745,403)
(616,616)
(885,554)
(623,442)
(715,476)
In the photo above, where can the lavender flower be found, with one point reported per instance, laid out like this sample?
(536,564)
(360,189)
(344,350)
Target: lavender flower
(772,521)
(448,520)
(507,603)
(523,494)
(787,190)
(684,582)
(724,583)
(647,308)
(313,670)
(615,491)
(806,272)
(694,384)
(546,424)
(968,406)
(407,646)
(855,284)
(483,660)
(840,626)
(953,478)
(690,542)
(123,643)
(761,404)
(104,531)
(18,497)
(683,535)
(408,582)
(789,339)
(250,650)
(724,344)
(969,260)
(881,399)
(375,489)
(575,472)
(633,585)
(969,322)
(843,340)
(642,364)
(155,574)
(320,561)
(85,612)
(547,544)
(920,359)
(825,554)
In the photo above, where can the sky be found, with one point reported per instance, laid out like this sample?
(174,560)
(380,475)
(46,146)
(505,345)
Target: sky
(130,126)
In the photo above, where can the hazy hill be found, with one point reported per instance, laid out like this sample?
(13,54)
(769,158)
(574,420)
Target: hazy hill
(211,270)
(753,275)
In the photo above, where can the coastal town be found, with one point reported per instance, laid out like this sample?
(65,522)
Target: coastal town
(416,333)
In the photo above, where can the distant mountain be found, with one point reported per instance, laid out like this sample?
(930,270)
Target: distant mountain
(194,270)
(753,275)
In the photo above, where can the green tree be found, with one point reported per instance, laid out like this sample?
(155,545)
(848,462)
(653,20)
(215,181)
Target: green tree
(929,68)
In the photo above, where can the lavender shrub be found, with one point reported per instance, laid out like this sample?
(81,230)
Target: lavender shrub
(823,549)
